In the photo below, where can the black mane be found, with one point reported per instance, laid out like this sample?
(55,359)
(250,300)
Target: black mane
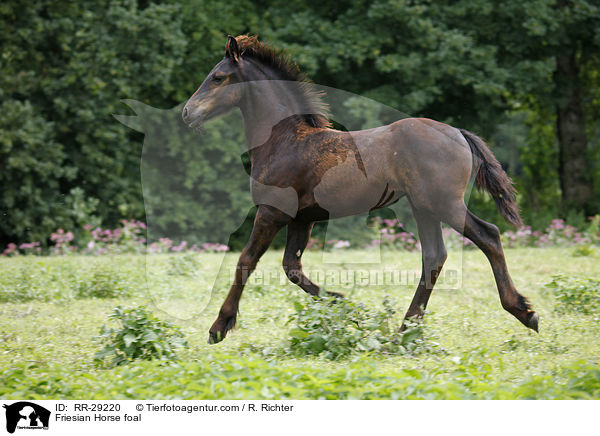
(251,47)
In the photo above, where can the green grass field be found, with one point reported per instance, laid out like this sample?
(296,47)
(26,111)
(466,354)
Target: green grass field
(50,311)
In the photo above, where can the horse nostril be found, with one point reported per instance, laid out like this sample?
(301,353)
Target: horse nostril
(185,112)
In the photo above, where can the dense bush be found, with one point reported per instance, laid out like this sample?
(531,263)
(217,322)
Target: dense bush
(336,328)
(65,161)
(141,336)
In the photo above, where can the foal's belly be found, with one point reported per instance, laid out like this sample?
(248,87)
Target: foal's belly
(365,180)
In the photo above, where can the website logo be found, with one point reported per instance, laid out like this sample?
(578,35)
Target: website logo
(25,415)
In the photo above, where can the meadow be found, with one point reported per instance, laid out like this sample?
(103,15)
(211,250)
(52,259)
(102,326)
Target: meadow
(468,347)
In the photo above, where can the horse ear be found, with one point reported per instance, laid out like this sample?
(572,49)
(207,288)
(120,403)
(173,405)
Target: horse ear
(231,49)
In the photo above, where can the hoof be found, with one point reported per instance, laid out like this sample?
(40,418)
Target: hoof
(532,323)
(335,294)
(215,338)
(410,321)
(217,332)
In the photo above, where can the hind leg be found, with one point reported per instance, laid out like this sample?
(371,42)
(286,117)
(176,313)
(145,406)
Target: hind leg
(433,254)
(487,237)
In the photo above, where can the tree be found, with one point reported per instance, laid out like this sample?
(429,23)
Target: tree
(577,48)
(469,63)
(476,64)
(64,68)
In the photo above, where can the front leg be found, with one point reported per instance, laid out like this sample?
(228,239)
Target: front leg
(267,223)
(298,233)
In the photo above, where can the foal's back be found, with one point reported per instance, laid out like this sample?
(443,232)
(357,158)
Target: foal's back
(350,172)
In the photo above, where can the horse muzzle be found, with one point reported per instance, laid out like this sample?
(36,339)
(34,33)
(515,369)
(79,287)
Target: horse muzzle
(193,115)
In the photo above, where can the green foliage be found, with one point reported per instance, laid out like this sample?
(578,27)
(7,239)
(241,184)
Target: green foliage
(230,376)
(538,185)
(19,285)
(44,279)
(487,354)
(583,250)
(141,336)
(30,154)
(34,279)
(194,193)
(593,229)
(183,264)
(577,295)
(65,66)
(336,328)
(106,282)
(464,63)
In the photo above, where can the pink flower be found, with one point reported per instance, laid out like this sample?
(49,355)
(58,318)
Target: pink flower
(390,223)
(179,248)
(341,244)
(214,247)
(10,249)
(557,224)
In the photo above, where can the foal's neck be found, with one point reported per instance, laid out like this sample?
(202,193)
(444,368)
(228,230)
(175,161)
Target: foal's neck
(266,103)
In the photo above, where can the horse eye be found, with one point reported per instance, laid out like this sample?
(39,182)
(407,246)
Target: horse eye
(218,79)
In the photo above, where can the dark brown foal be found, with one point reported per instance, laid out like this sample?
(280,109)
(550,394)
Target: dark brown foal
(303,171)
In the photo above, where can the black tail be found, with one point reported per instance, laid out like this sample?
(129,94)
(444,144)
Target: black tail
(492,178)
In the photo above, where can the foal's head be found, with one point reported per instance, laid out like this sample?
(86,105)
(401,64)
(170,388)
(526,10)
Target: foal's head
(253,70)
(215,96)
